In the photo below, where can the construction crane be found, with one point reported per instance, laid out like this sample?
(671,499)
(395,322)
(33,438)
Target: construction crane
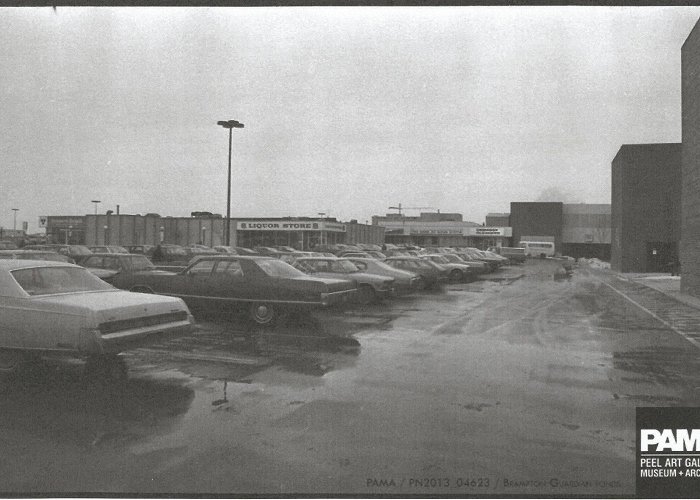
(400,208)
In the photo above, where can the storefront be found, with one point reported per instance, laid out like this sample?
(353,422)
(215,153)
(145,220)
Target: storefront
(65,229)
(302,234)
(484,237)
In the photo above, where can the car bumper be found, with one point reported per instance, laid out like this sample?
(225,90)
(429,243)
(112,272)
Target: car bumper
(112,343)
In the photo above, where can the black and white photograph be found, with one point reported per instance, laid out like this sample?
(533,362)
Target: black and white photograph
(350,251)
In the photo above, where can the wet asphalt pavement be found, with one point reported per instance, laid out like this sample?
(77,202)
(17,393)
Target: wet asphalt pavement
(517,384)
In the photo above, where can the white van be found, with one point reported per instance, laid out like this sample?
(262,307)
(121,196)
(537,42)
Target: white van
(538,248)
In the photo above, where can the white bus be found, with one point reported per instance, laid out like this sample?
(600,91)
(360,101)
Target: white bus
(538,248)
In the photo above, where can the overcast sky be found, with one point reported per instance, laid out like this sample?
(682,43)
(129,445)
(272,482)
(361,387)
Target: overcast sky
(346,110)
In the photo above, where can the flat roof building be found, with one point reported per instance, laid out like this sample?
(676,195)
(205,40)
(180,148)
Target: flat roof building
(646,191)
(690,164)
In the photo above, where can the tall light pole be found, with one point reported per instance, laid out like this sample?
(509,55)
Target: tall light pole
(15,223)
(95,202)
(230,125)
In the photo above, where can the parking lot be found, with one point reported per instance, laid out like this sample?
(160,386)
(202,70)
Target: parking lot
(522,382)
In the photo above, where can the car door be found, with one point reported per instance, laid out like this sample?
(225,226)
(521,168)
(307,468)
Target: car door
(193,284)
(229,281)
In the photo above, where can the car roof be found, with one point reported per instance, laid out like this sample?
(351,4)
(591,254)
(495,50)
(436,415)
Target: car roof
(223,256)
(113,254)
(321,258)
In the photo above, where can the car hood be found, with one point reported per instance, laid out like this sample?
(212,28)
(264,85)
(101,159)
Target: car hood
(365,277)
(111,305)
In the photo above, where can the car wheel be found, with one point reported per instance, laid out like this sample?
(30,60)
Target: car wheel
(456,275)
(366,294)
(262,314)
(11,361)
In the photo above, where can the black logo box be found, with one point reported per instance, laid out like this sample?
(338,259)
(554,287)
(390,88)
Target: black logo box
(666,487)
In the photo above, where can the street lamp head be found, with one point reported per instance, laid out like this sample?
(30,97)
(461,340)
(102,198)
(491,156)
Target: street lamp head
(230,124)
(95,201)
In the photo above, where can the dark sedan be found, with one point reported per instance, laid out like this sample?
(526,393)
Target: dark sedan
(263,286)
(122,270)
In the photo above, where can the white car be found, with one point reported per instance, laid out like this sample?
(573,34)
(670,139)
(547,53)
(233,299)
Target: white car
(56,309)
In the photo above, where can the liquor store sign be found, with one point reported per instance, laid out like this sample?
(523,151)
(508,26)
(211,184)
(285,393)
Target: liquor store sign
(277,225)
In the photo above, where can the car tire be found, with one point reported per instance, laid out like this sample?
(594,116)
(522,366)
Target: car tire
(263,314)
(456,275)
(366,295)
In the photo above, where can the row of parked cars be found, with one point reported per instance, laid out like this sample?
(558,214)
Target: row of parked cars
(59,300)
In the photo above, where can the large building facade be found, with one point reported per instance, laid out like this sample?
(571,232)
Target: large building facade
(537,221)
(690,164)
(586,230)
(646,216)
(440,229)
(577,229)
(302,233)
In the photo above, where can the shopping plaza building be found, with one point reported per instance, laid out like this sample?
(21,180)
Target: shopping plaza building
(208,229)
(577,230)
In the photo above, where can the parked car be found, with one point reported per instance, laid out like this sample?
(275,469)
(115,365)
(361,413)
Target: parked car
(370,287)
(475,266)
(456,271)
(291,257)
(474,254)
(146,250)
(122,270)
(432,274)
(245,251)
(225,249)
(108,249)
(404,281)
(35,255)
(285,249)
(515,255)
(170,256)
(262,286)
(269,251)
(76,252)
(56,309)
(347,255)
(195,250)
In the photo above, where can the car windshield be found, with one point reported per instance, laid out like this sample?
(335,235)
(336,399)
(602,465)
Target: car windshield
(383,265)
(141,263)
(54,280)
(343,266)
(278,269)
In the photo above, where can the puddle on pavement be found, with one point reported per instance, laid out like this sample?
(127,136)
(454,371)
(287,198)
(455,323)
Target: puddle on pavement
(61,403)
